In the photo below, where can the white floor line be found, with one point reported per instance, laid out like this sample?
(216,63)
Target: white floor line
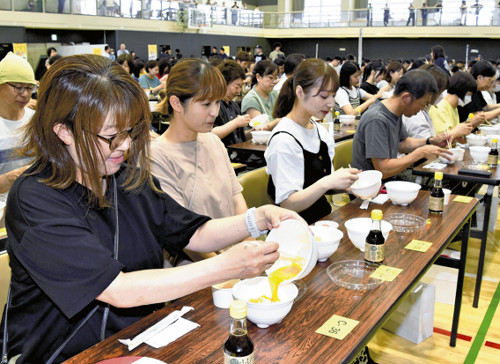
(489,279)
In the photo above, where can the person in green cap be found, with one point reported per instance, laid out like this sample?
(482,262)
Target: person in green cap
(17,83)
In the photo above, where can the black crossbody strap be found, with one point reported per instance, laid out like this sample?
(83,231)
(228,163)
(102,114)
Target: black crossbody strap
(5,333)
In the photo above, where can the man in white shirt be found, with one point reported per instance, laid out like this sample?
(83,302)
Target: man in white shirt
(17,83)
(122,50)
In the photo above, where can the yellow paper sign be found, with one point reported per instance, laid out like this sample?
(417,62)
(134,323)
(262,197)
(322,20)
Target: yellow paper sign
(463,199)
(350,131)
(386,273)
(418,245)
(97,51)
(3,231)
(337,327)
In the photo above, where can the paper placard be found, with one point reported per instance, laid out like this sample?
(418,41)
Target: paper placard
(337,327)
(386,273)
(350,131)
(463,199)
(419,245)
(3,231)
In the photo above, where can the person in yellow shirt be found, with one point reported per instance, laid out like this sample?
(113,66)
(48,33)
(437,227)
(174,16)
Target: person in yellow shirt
(445,115)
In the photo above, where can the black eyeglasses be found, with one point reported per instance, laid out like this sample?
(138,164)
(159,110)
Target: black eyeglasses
(116,140)
(21,89)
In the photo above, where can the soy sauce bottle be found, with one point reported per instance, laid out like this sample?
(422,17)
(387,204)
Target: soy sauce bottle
(336,122)
(375,242)
(436,199)
(493,155)
(358,117)
(238,348)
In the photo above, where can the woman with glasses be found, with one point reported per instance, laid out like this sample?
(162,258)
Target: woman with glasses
(17,83)
(87,223)
(261,98)
(192,163)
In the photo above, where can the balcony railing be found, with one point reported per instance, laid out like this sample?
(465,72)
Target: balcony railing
(203,16)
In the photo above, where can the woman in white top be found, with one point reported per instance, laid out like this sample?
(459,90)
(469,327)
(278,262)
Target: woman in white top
(299,153)
(393,73)
(192,163)
(350,97)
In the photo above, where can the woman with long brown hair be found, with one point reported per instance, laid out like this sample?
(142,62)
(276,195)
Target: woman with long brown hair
(300,153)
(86,232)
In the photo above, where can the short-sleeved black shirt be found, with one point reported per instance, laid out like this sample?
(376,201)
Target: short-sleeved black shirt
(227,112)
(61,255)
(476,104)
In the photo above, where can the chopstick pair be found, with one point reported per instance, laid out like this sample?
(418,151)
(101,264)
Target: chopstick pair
(447,133)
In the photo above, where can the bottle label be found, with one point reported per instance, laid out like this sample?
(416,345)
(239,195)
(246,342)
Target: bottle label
(493,160)
(374,253)
(436,203)
(228,359)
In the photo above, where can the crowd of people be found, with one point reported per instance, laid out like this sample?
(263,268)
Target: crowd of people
(106,219)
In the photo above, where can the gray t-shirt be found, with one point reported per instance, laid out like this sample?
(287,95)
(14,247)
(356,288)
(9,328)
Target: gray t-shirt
(378,136)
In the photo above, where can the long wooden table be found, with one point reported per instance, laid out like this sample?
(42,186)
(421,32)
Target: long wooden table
(294,340)
(346,132)
(451,172)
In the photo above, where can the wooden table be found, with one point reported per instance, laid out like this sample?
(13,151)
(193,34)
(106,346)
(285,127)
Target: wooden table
(451,172)
(346,132)
(294,340)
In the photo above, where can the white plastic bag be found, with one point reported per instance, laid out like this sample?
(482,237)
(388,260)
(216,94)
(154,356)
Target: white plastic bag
(414,318)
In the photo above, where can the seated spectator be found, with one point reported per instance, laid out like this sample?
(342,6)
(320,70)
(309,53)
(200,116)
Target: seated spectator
(290,65)
(128,64)
(381,134)
(86,232)
(372,75)
(349,96)
(393,72)
(485,75)
(230,125)
(420,125)
(300,152)
(17,83)
(149,81)
(261,98)
(445,115)
(191,162)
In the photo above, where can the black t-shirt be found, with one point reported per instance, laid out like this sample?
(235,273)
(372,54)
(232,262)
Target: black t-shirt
(368,87)
(61,254)
(476,104)
(227,112)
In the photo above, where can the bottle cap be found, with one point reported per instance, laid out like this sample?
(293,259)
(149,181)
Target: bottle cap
(438,175)
(494,140)
(470,116)
(376,214)
(337,113)
(238,309)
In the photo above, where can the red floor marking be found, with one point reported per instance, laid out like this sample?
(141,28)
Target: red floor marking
(448,333)
(492,345)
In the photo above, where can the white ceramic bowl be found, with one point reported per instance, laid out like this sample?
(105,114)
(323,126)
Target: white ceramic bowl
(479,154)
(402,192)
(453,157)
(265,313)
(261,136)
(259,121)
(222,293)
(490,137)
(347,119)
(327,241)
(296,245)
(488,130)
(359,227)
(327,223)
(368,184)
(476,140)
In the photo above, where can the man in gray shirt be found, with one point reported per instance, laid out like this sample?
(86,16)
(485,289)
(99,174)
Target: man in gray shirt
(381,133)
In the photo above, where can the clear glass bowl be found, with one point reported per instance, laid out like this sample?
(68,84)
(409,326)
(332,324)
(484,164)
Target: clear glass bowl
(405,223)
(353,274)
